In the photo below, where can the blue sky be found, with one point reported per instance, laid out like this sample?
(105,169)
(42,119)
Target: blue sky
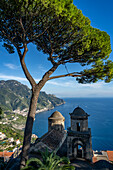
(101,15)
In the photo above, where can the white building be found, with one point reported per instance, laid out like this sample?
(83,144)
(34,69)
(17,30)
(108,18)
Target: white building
(11,139)
(2,136)
(17,142)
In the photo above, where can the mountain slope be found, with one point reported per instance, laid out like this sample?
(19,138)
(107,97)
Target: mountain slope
(14,95)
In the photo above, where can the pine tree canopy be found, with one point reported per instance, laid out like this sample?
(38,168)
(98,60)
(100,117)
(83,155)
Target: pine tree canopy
(61,31)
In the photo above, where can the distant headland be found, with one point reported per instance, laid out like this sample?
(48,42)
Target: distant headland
(15,97)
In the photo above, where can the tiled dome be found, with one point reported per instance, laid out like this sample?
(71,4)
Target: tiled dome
(78,111)
(56,115)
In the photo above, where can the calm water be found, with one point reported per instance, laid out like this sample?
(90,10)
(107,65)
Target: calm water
(100,119)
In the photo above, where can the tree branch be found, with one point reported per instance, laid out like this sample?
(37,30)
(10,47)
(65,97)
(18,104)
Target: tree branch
(22,56)
(37,36)
(11,40)
(50,57)
(26,72)
(45,77)
(74,74)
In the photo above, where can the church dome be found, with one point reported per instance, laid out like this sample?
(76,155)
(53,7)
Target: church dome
(79,112)
(56,115)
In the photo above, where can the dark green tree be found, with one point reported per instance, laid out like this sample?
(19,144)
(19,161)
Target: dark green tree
(60,30)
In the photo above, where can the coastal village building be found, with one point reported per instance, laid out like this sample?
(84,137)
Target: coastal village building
(5,155)
(11,139)
(110,156)
(102,155)
(18,142)
(2,136)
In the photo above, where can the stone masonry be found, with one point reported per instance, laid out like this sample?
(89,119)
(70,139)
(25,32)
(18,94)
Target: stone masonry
(79,142)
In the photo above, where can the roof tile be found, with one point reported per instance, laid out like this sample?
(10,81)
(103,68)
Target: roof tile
(110,155)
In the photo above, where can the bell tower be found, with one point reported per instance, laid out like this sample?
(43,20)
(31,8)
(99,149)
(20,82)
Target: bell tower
(79,142)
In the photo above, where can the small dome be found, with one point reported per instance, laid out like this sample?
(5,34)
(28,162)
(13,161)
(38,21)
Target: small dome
(78,111)
(56,115)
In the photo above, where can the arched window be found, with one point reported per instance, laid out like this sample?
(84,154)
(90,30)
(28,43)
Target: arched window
(79,151)
(78,126)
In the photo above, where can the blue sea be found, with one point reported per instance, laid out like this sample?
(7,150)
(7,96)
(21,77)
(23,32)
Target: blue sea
(100,119)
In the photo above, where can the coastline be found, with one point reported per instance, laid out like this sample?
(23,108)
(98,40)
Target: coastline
(25,111)
(46,109)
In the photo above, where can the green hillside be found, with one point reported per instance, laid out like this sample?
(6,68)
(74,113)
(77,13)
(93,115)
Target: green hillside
(14,95)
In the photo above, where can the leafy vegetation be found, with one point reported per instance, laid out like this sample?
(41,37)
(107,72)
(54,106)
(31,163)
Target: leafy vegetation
(49,161)
(11,132)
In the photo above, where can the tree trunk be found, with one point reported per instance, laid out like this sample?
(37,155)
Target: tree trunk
(28,127)
(31,114)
